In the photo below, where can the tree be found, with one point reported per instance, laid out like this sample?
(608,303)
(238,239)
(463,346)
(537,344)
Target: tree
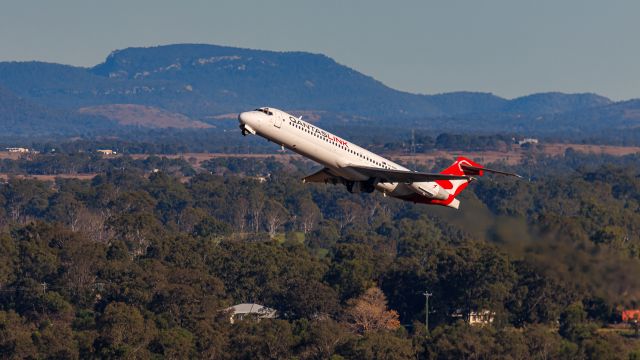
(189,296)
(349,212)
(174,343)
(275,215)
(25,198)
(574,325)
(212,337)
(171,196)
(542,342)
(351,269)
(240,211)
(462,341)
(56,341)
(378,346)
(66,208)
(511,344)
(322,338)
(92,223)
(604,348)
(535,297)
(263,271)
(472,277)
(81,260)
(189,217)
(136,229)
(123,332)
(306,298)
(16,341)
(308,215)
(256,206)
(263,339)
(211,227)
(369,313)
(8,260)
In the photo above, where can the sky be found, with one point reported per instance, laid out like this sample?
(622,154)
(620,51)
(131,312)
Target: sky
(507,47)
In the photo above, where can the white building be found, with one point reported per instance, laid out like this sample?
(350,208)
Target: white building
(240,311)
(106,151)
(525,141)
(483,317)
(477,318)
(18,150)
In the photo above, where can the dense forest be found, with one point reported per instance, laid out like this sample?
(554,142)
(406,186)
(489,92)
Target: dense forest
(143,260)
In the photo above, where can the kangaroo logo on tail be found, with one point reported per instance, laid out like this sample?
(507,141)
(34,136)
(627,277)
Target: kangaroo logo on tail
(462,166)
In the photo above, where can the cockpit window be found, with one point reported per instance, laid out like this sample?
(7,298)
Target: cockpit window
(265,110)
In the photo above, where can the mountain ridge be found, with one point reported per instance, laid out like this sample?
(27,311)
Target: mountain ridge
(202,81)
(21,117)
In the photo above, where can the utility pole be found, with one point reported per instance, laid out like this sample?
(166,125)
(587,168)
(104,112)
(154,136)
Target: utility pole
(427,294)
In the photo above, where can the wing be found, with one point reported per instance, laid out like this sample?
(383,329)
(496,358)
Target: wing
(403,176)
(322,176)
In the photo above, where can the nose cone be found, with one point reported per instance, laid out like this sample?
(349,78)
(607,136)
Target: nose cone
(245,117)
(250,118)
(249,122)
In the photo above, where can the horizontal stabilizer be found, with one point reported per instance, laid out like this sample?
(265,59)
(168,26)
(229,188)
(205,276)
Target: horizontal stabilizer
(403,176)
(475,170)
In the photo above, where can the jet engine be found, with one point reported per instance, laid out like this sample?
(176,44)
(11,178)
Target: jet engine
(430,189)
(354,187)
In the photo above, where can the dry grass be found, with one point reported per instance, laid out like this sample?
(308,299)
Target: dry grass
(147,116)
(196,159)
(12,156)
(559,149)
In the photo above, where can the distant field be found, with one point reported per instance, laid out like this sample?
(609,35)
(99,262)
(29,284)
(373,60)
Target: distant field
(516,154)
(5,176)
(146,116)
(512,156)
(196,159)
(8,155)
(559,149)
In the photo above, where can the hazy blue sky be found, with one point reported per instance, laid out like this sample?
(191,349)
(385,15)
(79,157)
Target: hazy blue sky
(508,47)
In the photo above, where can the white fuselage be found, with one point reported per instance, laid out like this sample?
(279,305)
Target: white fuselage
(333,152)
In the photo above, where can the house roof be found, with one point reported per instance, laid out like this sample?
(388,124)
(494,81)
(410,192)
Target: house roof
(252,309)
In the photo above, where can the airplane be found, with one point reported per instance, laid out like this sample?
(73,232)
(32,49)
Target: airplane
(358,169)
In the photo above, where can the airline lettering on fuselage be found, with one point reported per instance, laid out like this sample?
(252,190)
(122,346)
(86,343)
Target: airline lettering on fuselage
(315,130)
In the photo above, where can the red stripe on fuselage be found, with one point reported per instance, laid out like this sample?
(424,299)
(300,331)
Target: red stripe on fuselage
(417,198)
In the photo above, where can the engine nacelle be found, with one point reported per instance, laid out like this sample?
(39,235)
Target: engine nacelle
(430,190)
(355,187)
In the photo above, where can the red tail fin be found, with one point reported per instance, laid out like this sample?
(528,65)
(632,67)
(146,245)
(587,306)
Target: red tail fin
(462,166)
(454,187)
(457,167)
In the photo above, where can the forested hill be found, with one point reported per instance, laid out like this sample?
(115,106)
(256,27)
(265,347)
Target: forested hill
(22,117)
(201,81)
